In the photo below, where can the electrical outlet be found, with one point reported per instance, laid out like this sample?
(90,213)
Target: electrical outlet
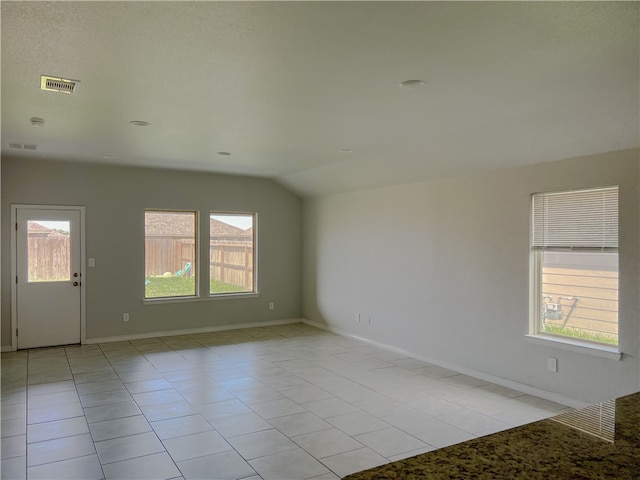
(125,317)
(552,364)
(92,262)
(272,305)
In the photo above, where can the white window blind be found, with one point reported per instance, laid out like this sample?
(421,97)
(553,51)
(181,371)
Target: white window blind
(579,219)
(598,420)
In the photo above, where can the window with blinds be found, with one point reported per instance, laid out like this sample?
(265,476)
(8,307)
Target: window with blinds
(574,244)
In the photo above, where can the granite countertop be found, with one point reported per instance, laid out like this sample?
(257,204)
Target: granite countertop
(549,449)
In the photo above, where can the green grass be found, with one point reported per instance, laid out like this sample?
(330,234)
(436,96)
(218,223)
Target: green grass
(216,286)
(581,334)
(183,286)
(169,287)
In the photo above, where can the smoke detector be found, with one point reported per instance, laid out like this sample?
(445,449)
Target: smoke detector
(57,84)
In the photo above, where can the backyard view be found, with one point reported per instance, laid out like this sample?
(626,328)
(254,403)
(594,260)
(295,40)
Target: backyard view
(48,251)
(181,286)
(575,245)
(231,253)
(170,249)
(170,254)
(580,296)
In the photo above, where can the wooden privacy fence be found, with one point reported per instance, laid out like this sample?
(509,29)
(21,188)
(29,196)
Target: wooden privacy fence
(49,258)
(596,298)
(167,254)
(230,261)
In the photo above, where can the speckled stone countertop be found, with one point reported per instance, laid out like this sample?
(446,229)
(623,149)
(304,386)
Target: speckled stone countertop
(546,449)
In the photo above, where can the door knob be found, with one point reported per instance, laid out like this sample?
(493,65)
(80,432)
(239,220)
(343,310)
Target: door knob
(75,274)
(75,284)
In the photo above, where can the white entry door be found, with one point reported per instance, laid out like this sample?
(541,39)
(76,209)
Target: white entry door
(48,277)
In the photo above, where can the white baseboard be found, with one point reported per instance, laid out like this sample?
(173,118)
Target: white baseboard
(190,331)
(520,387)
(6,348)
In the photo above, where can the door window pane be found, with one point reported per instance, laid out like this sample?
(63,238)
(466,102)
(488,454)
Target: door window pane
(49,251)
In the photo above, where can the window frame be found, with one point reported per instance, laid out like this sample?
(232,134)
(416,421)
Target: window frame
(195,263)
(254,242)
(536,335)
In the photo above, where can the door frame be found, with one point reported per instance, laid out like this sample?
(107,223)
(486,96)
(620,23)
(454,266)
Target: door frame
(14,266)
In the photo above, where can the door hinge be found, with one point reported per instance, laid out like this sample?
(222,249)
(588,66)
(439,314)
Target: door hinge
(16,226)
(16,332)
(16,278)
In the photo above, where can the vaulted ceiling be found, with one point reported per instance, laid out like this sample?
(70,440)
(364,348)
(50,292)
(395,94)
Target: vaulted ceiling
(308,93)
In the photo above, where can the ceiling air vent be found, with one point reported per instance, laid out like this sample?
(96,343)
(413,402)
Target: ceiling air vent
(22,146)
(56,84)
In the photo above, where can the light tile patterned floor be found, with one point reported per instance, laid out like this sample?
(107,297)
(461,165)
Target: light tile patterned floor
(288,402)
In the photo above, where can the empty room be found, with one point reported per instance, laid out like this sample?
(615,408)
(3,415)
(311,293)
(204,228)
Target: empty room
(320,240)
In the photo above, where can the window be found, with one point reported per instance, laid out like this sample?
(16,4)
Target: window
(170,253)
(575,264)
(231,253)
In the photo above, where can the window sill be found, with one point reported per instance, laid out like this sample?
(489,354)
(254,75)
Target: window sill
(193,299)
(577,346)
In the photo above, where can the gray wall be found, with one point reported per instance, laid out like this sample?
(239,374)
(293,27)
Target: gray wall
(115,198)
(442,269)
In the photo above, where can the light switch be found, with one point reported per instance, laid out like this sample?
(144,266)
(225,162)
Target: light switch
(92,262)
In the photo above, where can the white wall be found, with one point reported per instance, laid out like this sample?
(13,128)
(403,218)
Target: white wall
(115,198)
(442,269)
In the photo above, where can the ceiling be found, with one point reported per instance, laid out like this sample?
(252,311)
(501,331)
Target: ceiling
(286,87)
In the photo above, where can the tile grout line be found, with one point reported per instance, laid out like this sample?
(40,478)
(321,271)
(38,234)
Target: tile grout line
(241,352)
(141,412)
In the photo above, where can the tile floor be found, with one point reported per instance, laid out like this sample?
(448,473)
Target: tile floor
(287,402)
